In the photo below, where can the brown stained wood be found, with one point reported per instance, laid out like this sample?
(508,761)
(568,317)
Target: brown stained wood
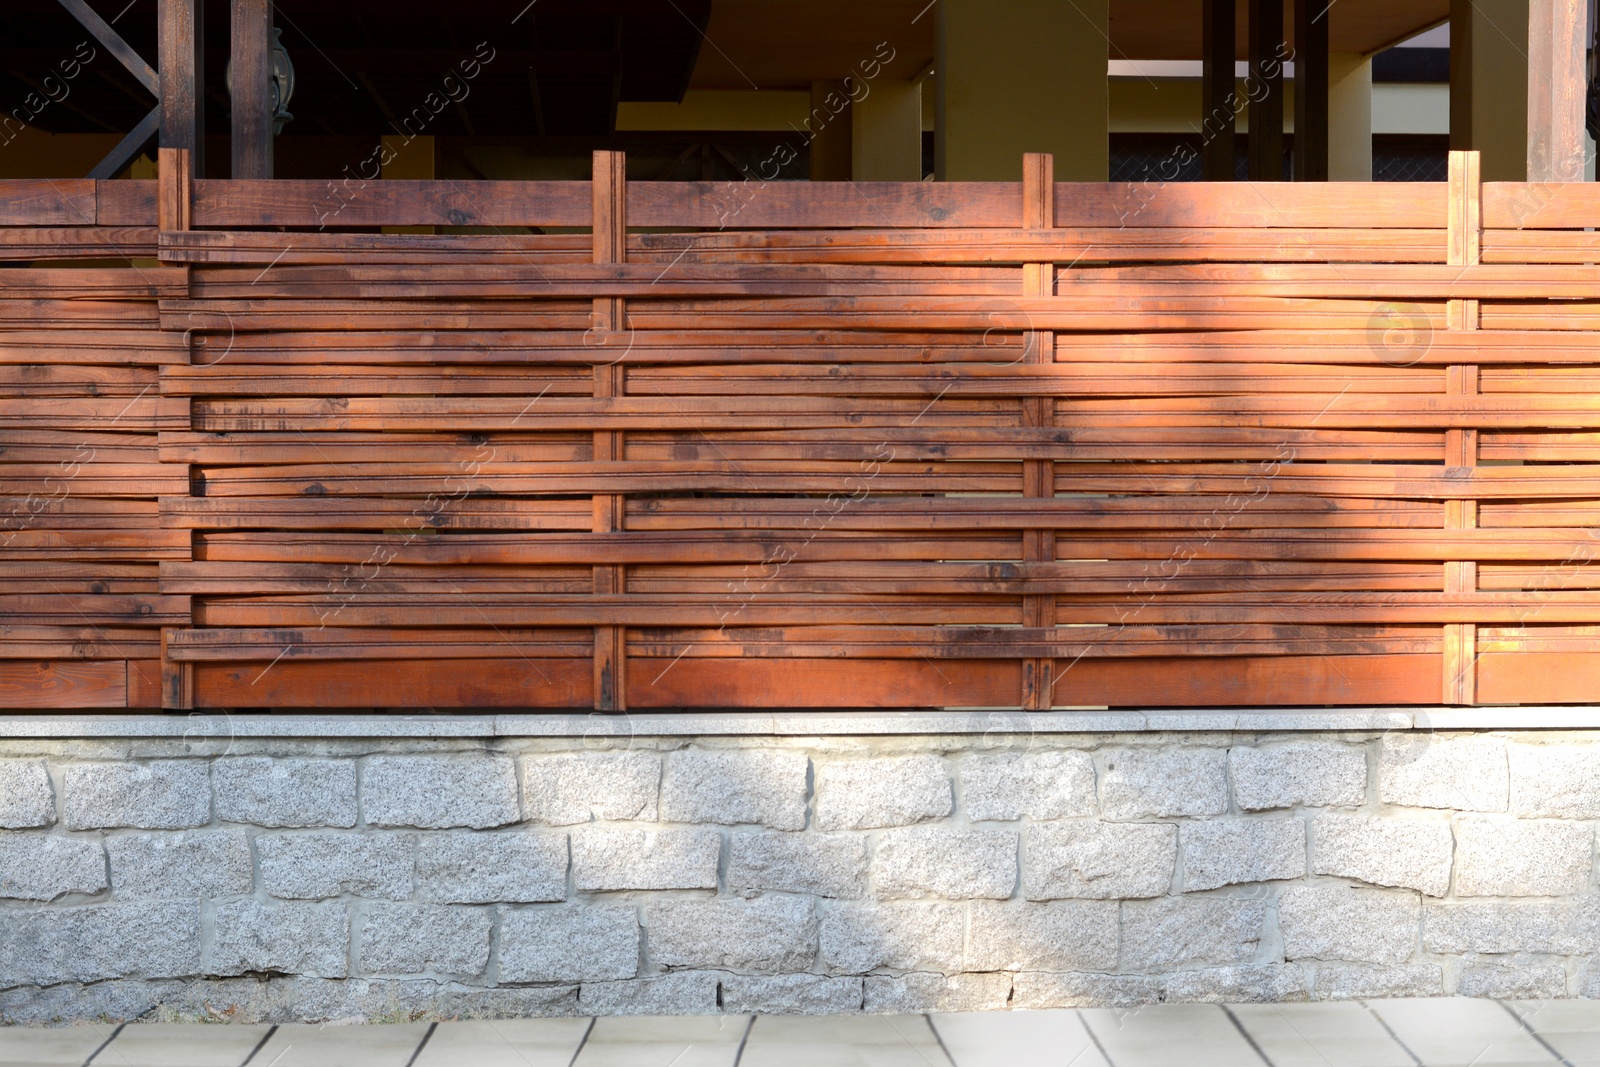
(905,445)
(512,682)
(51,684)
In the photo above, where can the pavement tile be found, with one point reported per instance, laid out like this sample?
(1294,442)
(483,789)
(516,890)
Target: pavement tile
(504,1043)
(1461,1032)
(1342,1034)
(304,1045)
(653,1041)
(1148,1036)
(1009,1039)
(843,1041)
(66,1046)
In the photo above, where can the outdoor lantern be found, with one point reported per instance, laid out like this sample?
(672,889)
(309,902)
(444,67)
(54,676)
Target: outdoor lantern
(282,82)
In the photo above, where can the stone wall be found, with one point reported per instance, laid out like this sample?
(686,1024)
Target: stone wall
(259,878)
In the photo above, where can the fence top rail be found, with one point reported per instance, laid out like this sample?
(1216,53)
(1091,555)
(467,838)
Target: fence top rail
(333,205)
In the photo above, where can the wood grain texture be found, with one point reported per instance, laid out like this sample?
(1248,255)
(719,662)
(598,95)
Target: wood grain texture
(783,445)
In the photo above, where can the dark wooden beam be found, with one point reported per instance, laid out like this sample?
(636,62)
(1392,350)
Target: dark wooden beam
(1557,89)
(129,146)
(1264,86)
(1219,104)
(114,44)
(181,32)
(1311,90)
(251,88)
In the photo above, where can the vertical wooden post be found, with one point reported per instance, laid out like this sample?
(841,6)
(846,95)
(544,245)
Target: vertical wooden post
(183,78)
(610,246)
(251,89)
(1557,88)
(1311,90)
(1461,446)
(174,210)
(1038,475)
(1219,103)
(1265,85)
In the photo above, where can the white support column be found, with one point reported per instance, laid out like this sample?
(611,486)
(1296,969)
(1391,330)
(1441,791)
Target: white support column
(887,132)
(1349,117)
(1017,76)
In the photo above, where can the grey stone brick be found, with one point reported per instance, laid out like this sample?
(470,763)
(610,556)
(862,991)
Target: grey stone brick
(1270,983)
(1525,981)
(769,935)
(439,792)
(418,938)
(583,786)
(1067,935)
(44,867)
(102,1002)
(1359,982)
(1141,782)
(856,939)
(328,863)
(1359,925)
(823,865)
(1313,774)
(1105,861)
(472,867)
(1560,781)
(152,939)
(735,787)
(569,943)
(193,863)
(158,795)
(359,1000)
(1034,990)
(607,859)
(285,792)
(869,793)
(1428,771)
(1035,785)
(295,938)
(945,862)
(790,994)
(512,1002)
(1180,931)
(1524,858)
(27,798)
(685,993)
(1559,927)
(1229,851)
(1405,853)
(909,994)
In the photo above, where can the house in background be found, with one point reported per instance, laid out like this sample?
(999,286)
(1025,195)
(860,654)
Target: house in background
(795,507)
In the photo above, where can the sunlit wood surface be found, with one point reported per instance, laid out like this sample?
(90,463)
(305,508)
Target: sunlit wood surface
(651,445)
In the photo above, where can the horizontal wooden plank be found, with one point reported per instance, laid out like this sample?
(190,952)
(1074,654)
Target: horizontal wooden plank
(1274,682)
(46,684)
(342,643)
(310,204)
(1528,677)
(47,202)
(31,243)
(78,642)
(459,684)
(1278,208)
(822,683)
(816,205)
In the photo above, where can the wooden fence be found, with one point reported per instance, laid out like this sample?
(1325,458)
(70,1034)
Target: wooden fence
(276,444)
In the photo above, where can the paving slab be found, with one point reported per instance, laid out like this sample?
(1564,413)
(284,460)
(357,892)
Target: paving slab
(67,1046)
(504,1043)
(181,1045)
(379,1045)
(1342,1034)
(642,1041)
(844,1041)
(1461,1032)
(1198,1035)
(1007,1039)
(1571,1027)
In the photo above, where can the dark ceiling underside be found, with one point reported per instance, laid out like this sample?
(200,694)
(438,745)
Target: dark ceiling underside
(554,68)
